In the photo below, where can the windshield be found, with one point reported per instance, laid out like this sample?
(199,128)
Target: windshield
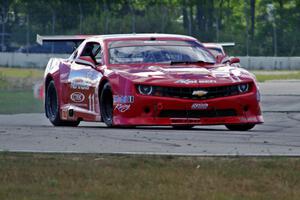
(133,52)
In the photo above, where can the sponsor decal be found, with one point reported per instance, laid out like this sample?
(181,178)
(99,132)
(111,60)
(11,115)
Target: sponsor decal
(186,81)
(199,93)
(194,81)
(123,99)
(207,81)
(77,97)
(122,107)
(199,106)
(80,84)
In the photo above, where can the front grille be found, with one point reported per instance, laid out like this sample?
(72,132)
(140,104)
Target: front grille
(197,113)
(187,92)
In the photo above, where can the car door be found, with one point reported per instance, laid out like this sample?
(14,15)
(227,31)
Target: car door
(83,80)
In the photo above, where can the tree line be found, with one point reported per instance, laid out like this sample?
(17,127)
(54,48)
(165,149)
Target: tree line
(258,27)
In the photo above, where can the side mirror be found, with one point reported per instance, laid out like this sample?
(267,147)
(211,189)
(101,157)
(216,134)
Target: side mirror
(85,60)
(234,60)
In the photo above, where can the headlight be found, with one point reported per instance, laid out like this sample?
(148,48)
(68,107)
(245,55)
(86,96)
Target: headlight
(145,89)
(243,88)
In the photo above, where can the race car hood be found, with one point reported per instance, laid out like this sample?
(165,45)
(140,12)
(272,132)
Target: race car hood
(185,75)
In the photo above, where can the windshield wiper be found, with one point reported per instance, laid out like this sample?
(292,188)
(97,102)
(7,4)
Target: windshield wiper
(188,62)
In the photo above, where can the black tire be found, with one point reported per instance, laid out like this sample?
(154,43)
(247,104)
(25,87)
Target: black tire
(183,127)
(52,108)
(240,127)
(106,105)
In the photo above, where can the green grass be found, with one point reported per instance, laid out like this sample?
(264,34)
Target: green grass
(21,72)
(53,176)
(12,102)
(3,83)
(19,78)
(16,93)
(263,76)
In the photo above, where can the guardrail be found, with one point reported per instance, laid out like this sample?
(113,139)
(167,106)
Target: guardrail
(250,62)
(269,63)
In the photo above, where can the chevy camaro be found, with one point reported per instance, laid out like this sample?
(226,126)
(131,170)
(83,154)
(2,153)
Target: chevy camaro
(148,80)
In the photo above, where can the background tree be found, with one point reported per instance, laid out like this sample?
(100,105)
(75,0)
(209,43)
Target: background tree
(245,22)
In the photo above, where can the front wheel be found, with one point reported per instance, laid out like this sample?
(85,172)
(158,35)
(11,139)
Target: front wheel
(240,127)
(106,105)
(52,108)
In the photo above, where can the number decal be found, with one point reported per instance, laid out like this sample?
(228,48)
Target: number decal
(92,102)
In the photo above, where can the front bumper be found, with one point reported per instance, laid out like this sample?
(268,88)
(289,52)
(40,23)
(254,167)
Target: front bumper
(164,111)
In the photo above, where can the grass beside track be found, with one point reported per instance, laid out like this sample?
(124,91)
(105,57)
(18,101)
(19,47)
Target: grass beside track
(16,90)
(263,76)
(19,78)
(92,176)
(15,101)
(21,72)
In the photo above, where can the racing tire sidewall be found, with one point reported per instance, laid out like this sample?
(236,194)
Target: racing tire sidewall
(106,105)
(51,104)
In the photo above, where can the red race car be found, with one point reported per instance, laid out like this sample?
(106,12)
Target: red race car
(148,79)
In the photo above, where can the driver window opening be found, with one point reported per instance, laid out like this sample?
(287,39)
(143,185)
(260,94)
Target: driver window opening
(93,50)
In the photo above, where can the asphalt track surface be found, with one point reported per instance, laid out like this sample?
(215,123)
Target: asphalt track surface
(279,135)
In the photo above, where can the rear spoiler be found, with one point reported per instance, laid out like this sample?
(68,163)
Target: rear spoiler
(61,38)
(223,44)
(227,44)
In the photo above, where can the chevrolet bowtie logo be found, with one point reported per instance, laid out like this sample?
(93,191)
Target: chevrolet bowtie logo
(199,93)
